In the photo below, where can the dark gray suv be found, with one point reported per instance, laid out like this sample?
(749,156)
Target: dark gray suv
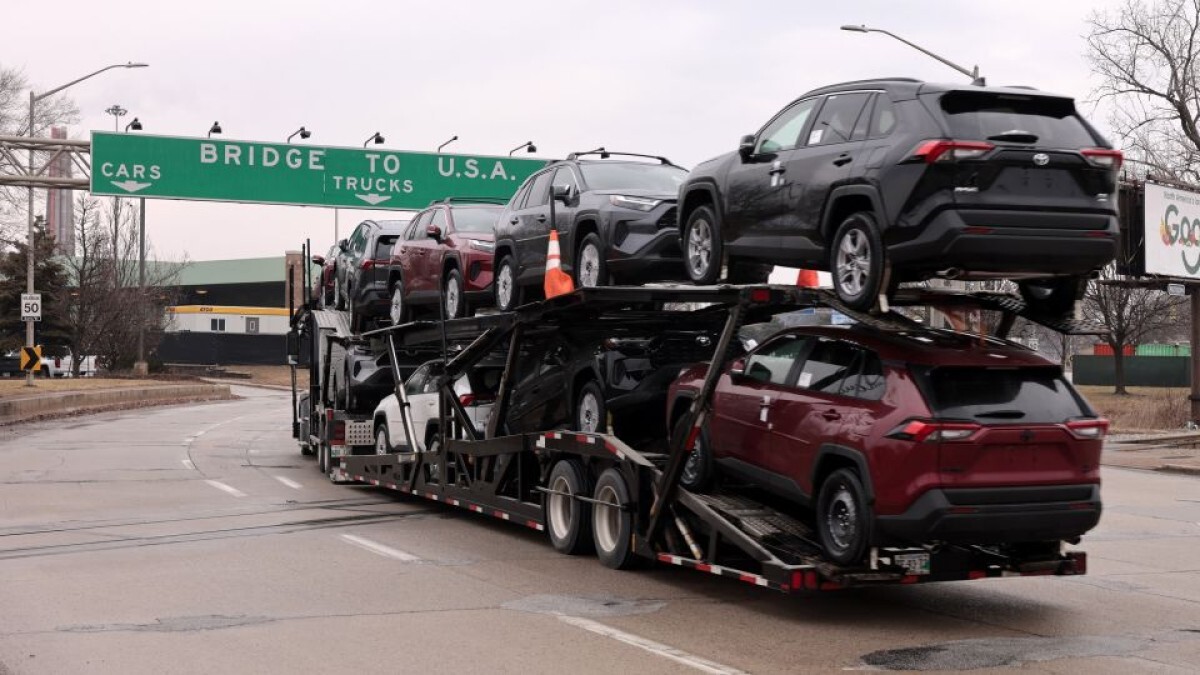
(891,180)
(615,221)
(361,270)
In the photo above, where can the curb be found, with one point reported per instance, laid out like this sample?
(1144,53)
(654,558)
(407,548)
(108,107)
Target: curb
(1180,469)
(96,400)
(244,383)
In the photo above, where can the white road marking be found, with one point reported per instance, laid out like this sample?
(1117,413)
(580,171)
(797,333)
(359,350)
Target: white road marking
(226,488)
(666,651)
(289,482)
(380,549)
(187,463)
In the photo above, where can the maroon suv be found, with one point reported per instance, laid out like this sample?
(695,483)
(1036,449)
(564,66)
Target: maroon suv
(903,438)
(445,253)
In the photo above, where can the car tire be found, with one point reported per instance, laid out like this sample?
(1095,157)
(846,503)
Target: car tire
(399,311)
(591,269)
(1052,297)
(702,247)
(508,291)
(383,444)
(591,414)
(856,261)
(612,521)
(568,520)
(453,296)
(432,460)
(698,470)
(844,521)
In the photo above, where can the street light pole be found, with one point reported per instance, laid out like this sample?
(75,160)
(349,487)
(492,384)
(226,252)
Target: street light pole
(31,233)
(973,73)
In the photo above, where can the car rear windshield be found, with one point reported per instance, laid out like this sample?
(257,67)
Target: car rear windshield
(1037,395)
(632,176)
(476,219)
(978,115)
(383,246)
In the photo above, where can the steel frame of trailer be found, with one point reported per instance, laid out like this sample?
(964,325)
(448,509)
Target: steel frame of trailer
(504,476)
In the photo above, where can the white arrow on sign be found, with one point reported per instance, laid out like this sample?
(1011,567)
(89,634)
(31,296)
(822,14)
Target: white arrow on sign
(374,199)
(131,185)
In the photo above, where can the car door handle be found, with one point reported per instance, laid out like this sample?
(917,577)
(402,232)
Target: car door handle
(842,160)
(831,415)
(541,219)
(514,220)
(777,170)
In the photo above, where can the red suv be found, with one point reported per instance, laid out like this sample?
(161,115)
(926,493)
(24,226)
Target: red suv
(445,252)
(903,438)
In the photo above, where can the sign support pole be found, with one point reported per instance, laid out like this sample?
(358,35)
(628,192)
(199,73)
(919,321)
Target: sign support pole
(29,268)
(1194,295)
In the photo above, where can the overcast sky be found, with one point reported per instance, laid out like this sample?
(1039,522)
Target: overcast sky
(683,79)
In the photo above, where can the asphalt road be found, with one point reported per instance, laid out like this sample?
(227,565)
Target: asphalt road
(197,539)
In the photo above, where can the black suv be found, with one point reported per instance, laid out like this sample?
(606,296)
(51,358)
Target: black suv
(891,180)
(615,218)
(361,271)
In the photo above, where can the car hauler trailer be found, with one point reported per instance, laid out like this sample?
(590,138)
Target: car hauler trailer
(592,491)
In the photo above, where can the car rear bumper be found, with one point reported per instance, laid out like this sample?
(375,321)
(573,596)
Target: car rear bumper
(995,515)
(1044,243)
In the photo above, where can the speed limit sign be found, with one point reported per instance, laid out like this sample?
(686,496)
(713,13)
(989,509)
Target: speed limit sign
(31,306)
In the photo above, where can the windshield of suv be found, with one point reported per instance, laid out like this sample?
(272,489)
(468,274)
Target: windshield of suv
(978,115)
(476,218)
(1002,395)
(632,176)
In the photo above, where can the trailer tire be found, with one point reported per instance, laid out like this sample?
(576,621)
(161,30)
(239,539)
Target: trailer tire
(568,520)
(591,413)
(383,444)
(323,458)
(843,518)
(698,473)
(612,521)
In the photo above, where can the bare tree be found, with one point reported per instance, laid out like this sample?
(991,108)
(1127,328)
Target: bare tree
(14,121)
(107,305)
(1130,312)
(1146,55)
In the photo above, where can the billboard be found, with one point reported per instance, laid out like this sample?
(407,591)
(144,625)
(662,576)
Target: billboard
(1172,231)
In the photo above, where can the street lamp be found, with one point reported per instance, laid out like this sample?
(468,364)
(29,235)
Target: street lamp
(136,125)
(377,139)
(304,133)
(31,235)
(140,366)
(528,144)
(214,129)
(117,112)
(973,73)
(452,139)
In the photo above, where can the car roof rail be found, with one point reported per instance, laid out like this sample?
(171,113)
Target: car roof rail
(470,200)
(605,154)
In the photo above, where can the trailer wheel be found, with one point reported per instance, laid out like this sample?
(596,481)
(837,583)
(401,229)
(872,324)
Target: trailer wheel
(843,518)
(568,520)
(383,444)
(323,458)
(698,470)
(612,523)
(591,415)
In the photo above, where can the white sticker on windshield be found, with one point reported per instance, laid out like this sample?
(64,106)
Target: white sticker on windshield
(805,379)
(815,135)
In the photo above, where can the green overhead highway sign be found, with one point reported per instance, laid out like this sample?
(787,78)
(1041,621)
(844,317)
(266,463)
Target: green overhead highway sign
(170,167)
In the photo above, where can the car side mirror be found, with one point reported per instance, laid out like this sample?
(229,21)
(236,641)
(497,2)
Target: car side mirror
(344,245)
(746,147)
(434,232)
(318,260)
(738,367)
(563,193)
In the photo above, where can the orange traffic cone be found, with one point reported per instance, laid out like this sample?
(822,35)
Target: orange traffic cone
(557,282)
(808,279)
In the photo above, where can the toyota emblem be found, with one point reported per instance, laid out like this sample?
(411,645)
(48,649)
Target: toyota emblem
(1041,159)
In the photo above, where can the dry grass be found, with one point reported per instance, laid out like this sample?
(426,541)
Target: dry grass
(275,375)
(13,387)
(1142,409)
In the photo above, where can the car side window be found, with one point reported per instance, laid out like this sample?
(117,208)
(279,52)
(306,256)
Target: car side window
(864,121)
(837,118)
(783,133)
(518,200)
(832,367)
(872,384)
(416,381)
(564,176)
(539,191)
(439,218)
(775,361)
(883,119)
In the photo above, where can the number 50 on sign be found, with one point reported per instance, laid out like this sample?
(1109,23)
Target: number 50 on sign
(31,306)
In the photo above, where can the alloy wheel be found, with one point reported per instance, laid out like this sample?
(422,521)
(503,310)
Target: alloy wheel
(589,266)
(842,519)
(853,262)
(699,247)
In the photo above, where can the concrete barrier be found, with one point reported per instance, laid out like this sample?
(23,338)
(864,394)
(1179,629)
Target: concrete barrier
(19,409)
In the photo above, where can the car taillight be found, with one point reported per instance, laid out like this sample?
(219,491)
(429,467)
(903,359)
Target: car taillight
(1088,430)
(942,150)
(1104,158)
(475,399)
(368,264)
(922,431)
